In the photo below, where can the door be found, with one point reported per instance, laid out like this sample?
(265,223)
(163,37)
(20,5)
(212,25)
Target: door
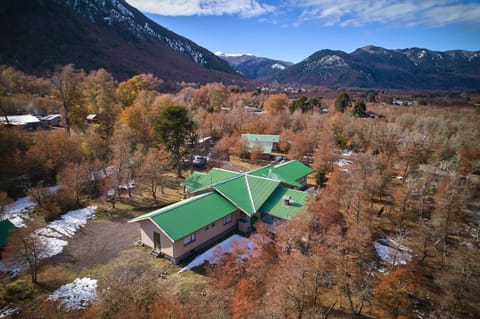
(156,240)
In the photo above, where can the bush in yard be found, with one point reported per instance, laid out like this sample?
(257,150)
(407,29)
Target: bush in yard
(19,290)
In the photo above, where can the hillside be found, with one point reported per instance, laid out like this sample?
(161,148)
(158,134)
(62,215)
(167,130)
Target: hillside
(382,68)
(38,35)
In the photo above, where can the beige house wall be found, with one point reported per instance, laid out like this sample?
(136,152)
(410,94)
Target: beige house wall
(204,235)
(147,228)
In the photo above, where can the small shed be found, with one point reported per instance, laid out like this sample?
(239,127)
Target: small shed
(51,120)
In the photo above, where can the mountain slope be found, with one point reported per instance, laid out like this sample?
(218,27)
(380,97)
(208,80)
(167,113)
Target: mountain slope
(253,67)
(381,68)
(38,34)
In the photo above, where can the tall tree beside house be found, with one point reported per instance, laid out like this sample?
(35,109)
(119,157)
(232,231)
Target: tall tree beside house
(342,102)
(176,130)
(153,168)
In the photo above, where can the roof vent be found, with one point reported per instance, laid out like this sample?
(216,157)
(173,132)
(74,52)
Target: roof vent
(286,200)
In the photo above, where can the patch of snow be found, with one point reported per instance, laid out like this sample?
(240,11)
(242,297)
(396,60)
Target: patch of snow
(422,54)
(278,66)
(332,61)
(53,237)
(225,246)
(7,311)
(391,252)
(17,212)
(79,294)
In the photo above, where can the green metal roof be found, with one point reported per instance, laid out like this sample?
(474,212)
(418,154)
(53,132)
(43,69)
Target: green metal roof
(5,227)
(187,216)
(253,191)
(247,192)
(264,140)
(200,180)
(275,204)
(287,172)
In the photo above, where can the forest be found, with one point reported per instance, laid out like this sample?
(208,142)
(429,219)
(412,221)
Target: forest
(402,180)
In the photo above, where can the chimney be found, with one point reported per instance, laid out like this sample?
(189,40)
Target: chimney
(286,200)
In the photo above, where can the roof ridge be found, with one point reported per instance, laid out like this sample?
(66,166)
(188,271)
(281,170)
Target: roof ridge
(171,206)
(250,194)
(225,170)
(282,164)
(263,177)
(258,168)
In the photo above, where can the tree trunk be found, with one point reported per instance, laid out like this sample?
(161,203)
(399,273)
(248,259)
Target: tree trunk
(179,171)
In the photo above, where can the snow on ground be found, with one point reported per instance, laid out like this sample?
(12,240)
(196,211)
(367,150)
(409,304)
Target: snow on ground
(225,246)
(17,212)
(391,252)
(7,311)
(79,294)
(54,236)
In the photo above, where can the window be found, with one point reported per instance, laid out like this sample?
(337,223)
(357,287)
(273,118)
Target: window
(227,219)
(189,239)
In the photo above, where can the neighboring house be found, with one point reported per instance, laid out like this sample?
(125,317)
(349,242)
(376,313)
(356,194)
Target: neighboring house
(269,143)
(223,202)
(51,120)
(5,227)
(28,121)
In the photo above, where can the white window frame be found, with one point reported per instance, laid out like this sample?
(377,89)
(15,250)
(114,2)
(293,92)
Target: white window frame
(227,219)
(189,239)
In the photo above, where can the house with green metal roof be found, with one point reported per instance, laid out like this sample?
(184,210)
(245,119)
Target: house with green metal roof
(223,202)
(268,143)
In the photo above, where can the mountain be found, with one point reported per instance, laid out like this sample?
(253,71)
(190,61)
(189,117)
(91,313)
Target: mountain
(39,34)
(377,67)
(253,67)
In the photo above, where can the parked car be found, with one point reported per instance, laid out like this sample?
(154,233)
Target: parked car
(199,161)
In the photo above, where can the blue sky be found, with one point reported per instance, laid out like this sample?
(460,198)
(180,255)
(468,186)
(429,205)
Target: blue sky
(292,30)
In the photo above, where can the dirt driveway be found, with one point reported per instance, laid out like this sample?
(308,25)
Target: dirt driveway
(97,243)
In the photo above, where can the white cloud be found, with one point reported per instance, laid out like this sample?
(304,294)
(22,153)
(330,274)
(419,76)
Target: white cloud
(244,8)
(391,12)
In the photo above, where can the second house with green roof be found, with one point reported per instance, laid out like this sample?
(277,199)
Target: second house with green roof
(222,202)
